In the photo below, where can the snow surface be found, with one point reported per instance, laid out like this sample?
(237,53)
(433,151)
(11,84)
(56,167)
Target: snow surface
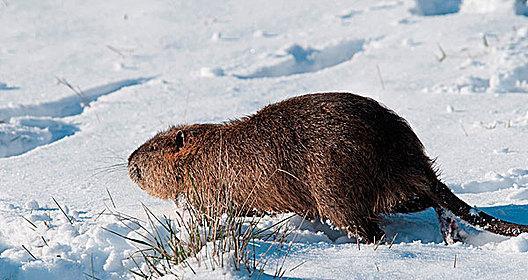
(83,83)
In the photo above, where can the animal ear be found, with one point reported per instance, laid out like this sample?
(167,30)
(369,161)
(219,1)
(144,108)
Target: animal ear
(180,139)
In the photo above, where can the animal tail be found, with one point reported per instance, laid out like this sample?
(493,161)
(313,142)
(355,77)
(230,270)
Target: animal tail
(446,199)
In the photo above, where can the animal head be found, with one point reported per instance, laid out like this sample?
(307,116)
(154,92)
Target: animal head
(154,165)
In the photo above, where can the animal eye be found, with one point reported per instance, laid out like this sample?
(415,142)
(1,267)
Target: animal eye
(180,140)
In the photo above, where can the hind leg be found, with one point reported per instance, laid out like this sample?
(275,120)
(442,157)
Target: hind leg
(347,198)
(356,221)
(449,229)
(366,229)
(370,232)
(451,232)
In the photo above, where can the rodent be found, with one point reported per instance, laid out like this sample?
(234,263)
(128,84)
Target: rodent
(337,156)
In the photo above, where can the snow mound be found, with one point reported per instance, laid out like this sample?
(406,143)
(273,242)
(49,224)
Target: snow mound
(296,59)
(46,242)
(513,79)
(514,244)
(44,245)
(465,84)
(511,74)
(500,69)
(514,178)
(436,7)
(518,7)
(71,105)
(24,134)
(24,128)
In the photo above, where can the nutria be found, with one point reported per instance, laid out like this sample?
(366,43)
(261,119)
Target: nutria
(336,156)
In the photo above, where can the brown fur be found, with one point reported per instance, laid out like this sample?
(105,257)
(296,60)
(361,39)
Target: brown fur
(338,156)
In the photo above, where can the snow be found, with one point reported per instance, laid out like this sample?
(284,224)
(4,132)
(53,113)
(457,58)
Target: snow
(82,84)
(297,59)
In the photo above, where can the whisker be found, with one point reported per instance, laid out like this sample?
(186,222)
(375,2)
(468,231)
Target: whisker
(105,174)
(108,171)
(118,165)
(112,163)
(115,158)
(116,154)
(116,171)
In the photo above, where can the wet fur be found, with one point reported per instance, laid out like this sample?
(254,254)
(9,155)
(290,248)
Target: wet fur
(336,156)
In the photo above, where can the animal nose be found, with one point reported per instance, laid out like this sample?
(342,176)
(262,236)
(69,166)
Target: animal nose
(134,172)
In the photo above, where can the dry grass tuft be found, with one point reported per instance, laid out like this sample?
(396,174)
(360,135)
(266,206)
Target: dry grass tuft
(209,232)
